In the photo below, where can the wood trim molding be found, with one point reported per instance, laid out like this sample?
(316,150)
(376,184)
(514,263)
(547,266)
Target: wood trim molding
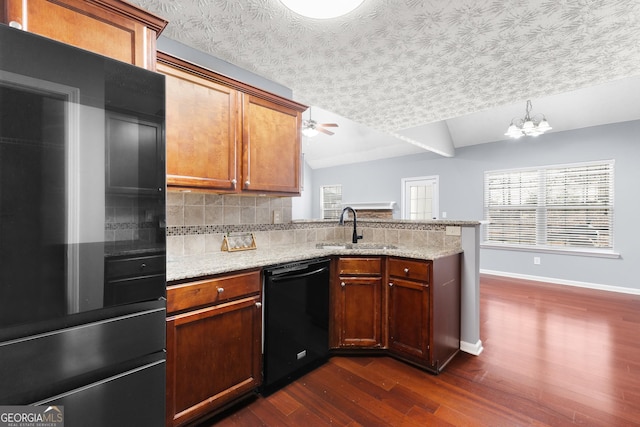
(200,71)
(154,22)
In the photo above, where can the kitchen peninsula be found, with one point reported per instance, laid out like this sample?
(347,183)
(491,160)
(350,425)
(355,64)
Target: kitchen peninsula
(416,274)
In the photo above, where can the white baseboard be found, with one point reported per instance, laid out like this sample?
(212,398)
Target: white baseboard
(470,348)
(588,285)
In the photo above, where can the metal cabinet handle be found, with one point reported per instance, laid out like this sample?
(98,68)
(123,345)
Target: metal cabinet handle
(343,284)
(406,271)
(234,182)
(143,266)
(258,304)
(247,183)
(220,290)
(390,284)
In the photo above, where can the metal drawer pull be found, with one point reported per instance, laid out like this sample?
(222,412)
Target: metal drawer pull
(220,290)
(406,271)
(343,284)
(390,284)
(258,304)
(143,266)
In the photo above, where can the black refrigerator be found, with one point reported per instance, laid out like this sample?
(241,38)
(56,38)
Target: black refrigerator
(82,234)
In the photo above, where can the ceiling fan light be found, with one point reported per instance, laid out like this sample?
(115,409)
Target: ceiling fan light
(324,9)
(309,132)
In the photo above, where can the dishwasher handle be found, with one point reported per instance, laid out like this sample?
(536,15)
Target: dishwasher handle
(298,276)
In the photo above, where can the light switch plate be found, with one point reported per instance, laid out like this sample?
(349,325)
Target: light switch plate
(277,217)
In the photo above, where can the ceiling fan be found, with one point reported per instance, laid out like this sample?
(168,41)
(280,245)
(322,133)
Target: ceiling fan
(310,127)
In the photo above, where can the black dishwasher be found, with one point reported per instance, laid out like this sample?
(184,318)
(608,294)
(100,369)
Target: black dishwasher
(296,320)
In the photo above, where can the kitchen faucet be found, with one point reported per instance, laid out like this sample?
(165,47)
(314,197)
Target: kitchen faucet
(355,237)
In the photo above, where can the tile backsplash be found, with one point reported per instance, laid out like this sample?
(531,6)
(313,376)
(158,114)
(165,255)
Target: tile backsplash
(133,219)
(188,209)
(197,223)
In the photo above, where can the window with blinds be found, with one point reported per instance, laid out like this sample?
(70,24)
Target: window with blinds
(331,201)
(564,206)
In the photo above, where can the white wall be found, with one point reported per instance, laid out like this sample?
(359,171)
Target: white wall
(461,194)
(301,207)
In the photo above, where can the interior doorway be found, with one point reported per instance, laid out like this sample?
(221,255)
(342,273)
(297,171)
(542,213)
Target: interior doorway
(420,197)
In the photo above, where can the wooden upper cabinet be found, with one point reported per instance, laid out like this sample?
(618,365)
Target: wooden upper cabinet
(111,28)
(226,136)
(271,146)
(201,131)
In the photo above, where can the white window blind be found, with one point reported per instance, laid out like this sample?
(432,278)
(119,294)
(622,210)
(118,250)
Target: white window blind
(331,201)
(565,206)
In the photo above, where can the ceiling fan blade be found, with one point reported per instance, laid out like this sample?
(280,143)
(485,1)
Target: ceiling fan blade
(328,125)
(323,130)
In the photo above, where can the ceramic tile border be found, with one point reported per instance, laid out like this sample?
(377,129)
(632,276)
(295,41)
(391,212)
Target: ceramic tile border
(187,230)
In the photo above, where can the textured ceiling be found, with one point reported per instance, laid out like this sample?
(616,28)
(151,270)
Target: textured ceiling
(398,64)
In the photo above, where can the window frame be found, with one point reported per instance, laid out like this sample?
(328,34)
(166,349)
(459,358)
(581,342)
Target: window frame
(530,192)
(338,210)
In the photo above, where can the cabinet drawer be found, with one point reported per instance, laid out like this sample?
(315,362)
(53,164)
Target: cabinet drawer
(360,266)
(212,291)
(409,269)
(135,266)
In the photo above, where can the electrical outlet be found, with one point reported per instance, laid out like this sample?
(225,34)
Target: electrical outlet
(444,214)
(536,260)
(452,230)
(277,217)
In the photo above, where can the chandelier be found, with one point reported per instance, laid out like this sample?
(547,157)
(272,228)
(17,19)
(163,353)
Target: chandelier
(529,126)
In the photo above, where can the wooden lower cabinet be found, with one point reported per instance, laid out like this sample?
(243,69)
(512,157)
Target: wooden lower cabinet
(415,316)
(409,308)
(357,303)
(213,352)
(424,310)
(409,319)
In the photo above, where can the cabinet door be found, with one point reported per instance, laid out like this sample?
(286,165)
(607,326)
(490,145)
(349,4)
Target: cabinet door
(409,319)
(270,147)
(359,301)
(202,126)
(117,30)
(213,357)
(129,141)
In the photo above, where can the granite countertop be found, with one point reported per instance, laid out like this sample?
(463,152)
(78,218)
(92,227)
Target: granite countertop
(189,267)
(445,222)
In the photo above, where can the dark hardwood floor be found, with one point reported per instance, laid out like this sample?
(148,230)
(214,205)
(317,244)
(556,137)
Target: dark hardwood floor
(553,356)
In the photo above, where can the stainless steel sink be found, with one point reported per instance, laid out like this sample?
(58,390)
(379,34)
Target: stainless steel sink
(355,246)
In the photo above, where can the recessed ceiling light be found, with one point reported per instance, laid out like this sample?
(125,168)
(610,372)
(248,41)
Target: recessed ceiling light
(324,9)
